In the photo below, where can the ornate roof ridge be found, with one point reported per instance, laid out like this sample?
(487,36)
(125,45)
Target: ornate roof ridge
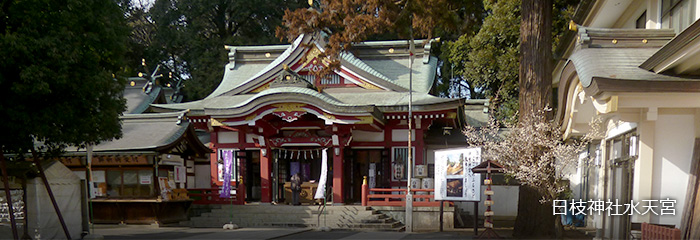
(351,59)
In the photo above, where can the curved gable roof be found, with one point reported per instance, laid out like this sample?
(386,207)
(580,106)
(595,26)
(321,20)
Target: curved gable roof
(617,70)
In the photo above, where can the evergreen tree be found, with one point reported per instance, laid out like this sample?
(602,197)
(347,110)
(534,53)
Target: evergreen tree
(189,36)
(487,64)
(57,72)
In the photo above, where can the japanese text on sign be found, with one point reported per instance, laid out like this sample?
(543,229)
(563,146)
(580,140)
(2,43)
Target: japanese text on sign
(17,206)
(614,208)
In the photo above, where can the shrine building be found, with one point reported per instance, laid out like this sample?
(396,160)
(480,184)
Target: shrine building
(276,117)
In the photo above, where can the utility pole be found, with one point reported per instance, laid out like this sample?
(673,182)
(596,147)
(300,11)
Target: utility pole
(409,162)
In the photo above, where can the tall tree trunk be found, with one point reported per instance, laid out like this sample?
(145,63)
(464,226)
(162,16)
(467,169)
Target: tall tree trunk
(534,218)
(535,57)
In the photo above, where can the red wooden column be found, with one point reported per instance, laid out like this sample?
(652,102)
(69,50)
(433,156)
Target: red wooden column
(213,159)
(338,196)
(420,147)
(240,182)
(242,170)
(265,173)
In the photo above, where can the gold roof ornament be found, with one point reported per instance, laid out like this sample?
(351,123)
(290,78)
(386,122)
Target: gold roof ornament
(572,26)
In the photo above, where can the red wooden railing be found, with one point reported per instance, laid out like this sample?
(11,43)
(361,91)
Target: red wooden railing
(211,196)
(651,231)
(397,197)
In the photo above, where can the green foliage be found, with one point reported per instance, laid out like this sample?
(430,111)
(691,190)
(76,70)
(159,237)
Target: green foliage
(487,63)
(563,12)
(56,72)
(187,37)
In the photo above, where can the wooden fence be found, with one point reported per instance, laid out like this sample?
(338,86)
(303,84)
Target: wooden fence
(397,197)
(651,231)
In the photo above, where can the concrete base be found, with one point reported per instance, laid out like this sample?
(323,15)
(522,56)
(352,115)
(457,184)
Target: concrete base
(424,218)
(93,237)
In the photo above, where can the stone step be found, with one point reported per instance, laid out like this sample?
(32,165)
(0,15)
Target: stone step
(288,220)
(359,227)
(336,217)
(215,221)
(379,220)
(377,226)
(292,210)
(219,212)
(289,209)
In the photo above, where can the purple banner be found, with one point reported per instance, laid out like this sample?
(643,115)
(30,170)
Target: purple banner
(227,156)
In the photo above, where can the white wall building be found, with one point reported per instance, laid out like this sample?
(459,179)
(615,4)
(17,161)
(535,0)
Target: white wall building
(636,65)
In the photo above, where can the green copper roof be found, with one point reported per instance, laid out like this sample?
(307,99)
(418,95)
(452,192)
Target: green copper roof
(137,101)
(351,59)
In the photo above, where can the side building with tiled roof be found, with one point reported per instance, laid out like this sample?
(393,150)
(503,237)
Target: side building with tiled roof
(143,176)
(635,65)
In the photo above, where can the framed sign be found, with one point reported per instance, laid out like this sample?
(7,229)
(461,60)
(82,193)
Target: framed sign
(180,174)
(234,166)
(454,179)
(399,167)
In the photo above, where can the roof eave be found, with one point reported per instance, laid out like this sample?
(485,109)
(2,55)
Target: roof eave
(674,46)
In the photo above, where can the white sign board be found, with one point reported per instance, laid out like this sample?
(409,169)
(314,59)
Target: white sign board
(180,175)
(145,179)
(454,179)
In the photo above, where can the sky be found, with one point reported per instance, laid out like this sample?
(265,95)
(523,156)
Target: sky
(145,3)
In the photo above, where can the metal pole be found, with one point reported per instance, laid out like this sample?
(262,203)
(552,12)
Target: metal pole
(90,182)
(476,218)
(6,182)
(441,211)
(409,162)
(48,189)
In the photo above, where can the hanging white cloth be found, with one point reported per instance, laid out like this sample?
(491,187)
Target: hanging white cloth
(321,190)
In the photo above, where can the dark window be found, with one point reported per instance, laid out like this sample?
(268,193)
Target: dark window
(129,183)
(642,21)
(667,5)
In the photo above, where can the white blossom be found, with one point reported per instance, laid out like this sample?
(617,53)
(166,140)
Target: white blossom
(532,151)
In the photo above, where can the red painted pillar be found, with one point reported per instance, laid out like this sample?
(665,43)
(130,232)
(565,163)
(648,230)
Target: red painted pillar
(242,157)
(213,159)
(420,147)
(240,182)
(265,175)
(338,196)
(365,191)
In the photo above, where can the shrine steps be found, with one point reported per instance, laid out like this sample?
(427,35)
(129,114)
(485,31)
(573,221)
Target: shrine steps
(336,217)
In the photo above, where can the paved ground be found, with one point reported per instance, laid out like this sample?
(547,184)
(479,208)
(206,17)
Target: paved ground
(153,232)
(339,234)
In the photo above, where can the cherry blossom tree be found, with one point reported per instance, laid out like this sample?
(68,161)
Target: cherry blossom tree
(533,152)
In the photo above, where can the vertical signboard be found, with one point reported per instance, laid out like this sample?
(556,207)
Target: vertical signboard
(17,206)
(454,179)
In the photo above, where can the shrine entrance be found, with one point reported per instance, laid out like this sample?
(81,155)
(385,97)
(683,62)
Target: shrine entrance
(307,162)
(252,175)
(360,163)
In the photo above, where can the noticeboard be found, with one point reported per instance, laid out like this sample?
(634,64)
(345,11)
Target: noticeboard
(454,179)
